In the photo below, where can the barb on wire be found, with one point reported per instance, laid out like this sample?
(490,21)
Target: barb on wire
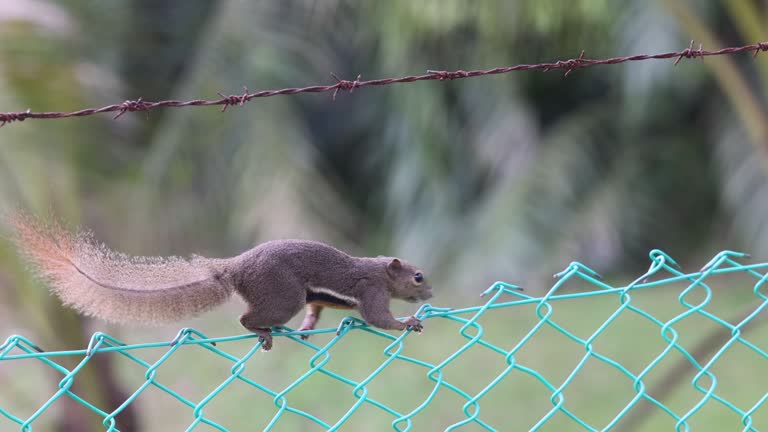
(226,101)
(234,100)
(345,85)
(691,53)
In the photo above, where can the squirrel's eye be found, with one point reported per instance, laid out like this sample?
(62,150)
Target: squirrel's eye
(418,277)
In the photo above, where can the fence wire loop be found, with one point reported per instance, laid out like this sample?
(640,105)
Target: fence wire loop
(348,323)
(575,267)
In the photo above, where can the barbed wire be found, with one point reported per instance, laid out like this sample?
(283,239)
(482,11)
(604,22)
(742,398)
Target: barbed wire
(226,101)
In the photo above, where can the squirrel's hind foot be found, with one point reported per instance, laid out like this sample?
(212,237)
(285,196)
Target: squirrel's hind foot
(265,338)
(306,326)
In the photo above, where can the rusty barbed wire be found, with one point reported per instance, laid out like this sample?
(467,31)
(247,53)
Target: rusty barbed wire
(226,101)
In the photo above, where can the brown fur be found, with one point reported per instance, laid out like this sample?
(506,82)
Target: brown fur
(277,279)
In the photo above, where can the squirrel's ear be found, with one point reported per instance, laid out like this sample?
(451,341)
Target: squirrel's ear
(395,264)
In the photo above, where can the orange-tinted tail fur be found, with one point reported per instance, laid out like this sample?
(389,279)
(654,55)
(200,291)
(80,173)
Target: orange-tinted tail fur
(96,281)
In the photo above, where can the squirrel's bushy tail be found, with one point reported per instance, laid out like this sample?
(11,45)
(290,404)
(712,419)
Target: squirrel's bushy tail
(115,287)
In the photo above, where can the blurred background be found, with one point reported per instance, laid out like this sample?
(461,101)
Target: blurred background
(507,177)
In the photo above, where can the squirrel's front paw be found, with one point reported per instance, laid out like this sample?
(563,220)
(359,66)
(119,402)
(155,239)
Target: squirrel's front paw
(413,323)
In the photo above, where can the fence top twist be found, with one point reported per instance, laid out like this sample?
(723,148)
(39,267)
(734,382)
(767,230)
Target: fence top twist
(225,101)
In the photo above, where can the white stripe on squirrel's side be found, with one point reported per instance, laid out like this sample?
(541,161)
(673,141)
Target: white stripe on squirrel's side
(322,290)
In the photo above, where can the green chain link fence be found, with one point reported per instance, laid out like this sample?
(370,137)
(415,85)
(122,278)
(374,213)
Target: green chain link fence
(501,297)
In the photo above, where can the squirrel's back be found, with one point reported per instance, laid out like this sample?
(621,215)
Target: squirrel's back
(313,262)
(96,281)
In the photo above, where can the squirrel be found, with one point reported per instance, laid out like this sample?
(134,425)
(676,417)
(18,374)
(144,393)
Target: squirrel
(277,279)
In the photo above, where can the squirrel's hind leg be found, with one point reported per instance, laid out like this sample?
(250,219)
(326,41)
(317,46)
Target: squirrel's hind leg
(265,336)
(310,319)
(254,322)
(261,320)
(273,298)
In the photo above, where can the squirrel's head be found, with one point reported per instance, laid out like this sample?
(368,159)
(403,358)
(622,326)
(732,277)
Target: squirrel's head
(407,282)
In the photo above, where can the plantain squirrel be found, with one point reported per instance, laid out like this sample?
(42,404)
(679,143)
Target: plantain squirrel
(277,279)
